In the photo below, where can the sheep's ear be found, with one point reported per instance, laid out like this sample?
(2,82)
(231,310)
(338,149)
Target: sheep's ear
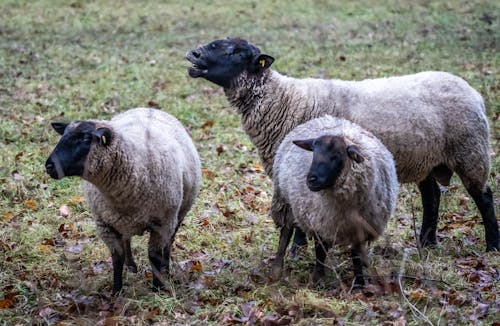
(103,135)
(355,154)
(261,62)
(59,127)
(307,144)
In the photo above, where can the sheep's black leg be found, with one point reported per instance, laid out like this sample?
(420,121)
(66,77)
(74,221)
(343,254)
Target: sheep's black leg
(285,235)
(129,259)
(114,242)
(357,263)
(431,195)
(484,202)
(299,241)
(157,256)
(320,248)
(118,259)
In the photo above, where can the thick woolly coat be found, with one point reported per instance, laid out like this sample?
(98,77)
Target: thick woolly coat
(426,120)
(357,207)
(146,178)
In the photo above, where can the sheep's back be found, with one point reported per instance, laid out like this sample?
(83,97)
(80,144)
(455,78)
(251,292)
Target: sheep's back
(425,119)
(162,173)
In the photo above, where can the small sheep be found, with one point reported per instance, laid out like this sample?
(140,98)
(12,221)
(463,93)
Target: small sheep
(342,193)
(141,173)
(433,123)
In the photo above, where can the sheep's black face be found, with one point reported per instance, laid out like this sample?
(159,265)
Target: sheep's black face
(329,156)
(69,156)
(221,61)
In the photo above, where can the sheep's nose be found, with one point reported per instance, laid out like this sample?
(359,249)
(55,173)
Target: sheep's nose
(312,178)
(49,165)
(196,53)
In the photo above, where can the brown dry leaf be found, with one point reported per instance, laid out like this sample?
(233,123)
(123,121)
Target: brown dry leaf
(66,228)
(30,203)
(76,200)
(258,167)
(196,267)
(205,222)
(208,174)
(44,249)
(220,149)
(417,294)
(153,104)
(152,313)
(18,156)
(48,242)
(7,216)
(148,275)
(6,303)
(207,124)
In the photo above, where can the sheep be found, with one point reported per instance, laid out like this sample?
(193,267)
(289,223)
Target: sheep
(433,123)
(342,193)
(140,171)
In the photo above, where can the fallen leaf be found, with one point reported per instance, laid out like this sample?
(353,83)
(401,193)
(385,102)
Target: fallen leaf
(220,149)
(196,266)
(7,216)
(44,249)
(17,176)
(64,210)
(258,167)
(76,249)
(417,294)
(46,312)
(6,303)
(30,203)
(153,104)
(152,313)
(208,174)
(208,124)
(76,200)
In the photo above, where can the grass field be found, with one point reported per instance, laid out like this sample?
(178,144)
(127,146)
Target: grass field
(67,60)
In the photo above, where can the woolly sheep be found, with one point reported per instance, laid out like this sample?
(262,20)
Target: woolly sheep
(141,172)
(433,123)
(342,193)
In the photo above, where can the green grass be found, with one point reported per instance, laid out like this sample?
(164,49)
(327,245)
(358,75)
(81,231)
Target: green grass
(67,60)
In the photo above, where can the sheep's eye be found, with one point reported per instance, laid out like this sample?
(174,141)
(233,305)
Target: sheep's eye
(85,139)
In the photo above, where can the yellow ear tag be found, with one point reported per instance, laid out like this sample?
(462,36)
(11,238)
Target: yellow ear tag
(262,63)
(103,139)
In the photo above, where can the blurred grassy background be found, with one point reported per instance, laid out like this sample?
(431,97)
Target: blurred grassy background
(67,60)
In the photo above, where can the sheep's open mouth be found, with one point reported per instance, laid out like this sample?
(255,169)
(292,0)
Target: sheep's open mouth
(314,188)
(197,69)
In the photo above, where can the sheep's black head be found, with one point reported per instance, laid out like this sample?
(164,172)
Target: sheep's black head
(329,156)
(221,61)
(70,154)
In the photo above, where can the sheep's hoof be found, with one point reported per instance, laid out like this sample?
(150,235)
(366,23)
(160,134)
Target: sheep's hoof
(276,271)
(317,276)
(297,251)
(428,241)
(359,282)
(132,267)
(157,285)
(492,247)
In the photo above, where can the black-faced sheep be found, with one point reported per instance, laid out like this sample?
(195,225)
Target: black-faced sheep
(342,193)
(433,123)
(141,173)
